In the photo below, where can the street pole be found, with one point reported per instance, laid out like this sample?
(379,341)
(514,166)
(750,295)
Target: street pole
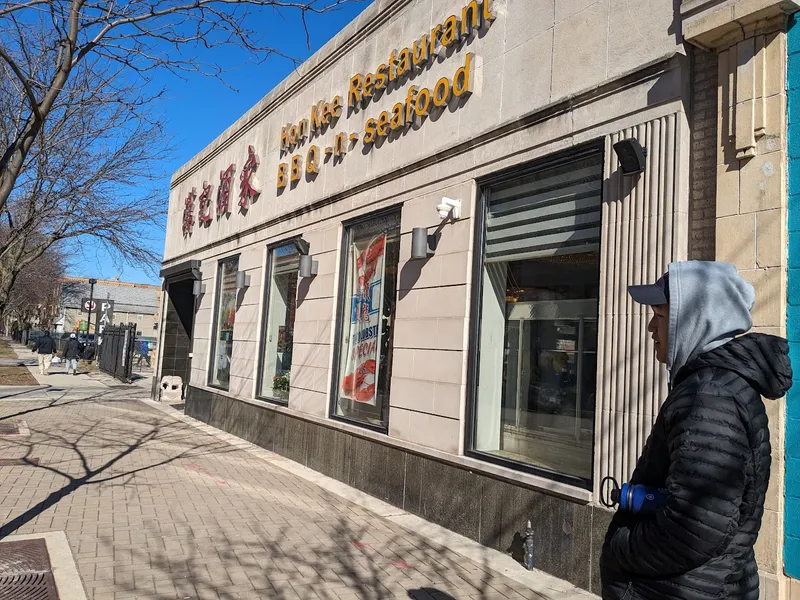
(92,281)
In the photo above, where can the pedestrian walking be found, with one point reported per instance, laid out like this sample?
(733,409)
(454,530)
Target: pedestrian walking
(143,348)
(72,352)
(46,349)
(709,447)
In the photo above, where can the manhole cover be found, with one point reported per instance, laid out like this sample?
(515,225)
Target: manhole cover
(25,571)
(9,428)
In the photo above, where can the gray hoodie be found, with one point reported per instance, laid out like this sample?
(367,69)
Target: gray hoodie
(709,305)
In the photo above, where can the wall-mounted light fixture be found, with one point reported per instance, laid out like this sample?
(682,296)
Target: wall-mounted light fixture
(449,209)
(302,246)
(423,246)
(308,266)
(631,156)
(198,288)
(242,280)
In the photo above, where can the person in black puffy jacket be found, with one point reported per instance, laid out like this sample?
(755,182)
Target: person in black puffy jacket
(709,446)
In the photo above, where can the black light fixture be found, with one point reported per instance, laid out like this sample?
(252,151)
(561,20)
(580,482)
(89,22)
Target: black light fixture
(631,156)
(302,246)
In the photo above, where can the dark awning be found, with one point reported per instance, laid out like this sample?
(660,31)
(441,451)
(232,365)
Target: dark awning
(185,270)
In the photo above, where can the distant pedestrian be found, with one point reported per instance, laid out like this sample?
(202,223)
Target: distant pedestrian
(72,352)
(144,353)
(46,349)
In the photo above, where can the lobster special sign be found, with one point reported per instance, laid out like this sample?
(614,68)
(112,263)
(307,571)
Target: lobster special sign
(417,105)
(360,380)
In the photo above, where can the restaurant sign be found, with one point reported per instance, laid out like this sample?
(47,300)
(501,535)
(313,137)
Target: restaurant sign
(418,104)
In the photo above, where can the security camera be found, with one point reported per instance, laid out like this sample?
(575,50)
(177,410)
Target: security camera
(449,208)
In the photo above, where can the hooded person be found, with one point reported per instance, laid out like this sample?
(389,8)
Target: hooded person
(72,352)
(709,447)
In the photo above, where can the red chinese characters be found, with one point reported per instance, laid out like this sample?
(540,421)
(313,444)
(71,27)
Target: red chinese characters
(188,212)
(248,182)
(204,204)
(224,191)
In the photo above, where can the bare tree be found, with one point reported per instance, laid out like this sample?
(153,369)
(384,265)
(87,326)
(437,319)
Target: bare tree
(89,172)
(80,144)
(134,37)
(36,293)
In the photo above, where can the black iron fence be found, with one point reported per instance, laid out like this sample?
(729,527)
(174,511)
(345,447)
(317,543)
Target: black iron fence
(115,355)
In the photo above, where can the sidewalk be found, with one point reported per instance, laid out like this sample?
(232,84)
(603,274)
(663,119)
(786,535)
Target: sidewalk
(58,373)
(157,506)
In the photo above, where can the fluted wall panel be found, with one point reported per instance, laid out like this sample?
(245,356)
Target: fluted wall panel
(645,225)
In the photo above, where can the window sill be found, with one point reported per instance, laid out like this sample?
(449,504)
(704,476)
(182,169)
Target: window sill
(521,478)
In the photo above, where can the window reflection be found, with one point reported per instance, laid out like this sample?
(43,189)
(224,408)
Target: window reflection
(284,264)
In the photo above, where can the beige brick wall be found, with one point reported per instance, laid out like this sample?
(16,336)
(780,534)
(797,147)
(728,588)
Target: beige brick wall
(751,227)
(702,204)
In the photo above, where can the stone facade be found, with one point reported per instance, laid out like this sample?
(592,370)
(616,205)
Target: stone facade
(545,77)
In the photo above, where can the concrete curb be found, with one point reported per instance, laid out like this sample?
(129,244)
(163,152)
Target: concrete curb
(540,582)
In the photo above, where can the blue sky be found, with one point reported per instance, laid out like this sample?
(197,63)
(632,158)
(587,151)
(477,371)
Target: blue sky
(199,108)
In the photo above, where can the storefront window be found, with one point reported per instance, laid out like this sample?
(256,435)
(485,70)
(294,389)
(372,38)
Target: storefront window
(537,359)
(222,339)
(371,259)
(281,303)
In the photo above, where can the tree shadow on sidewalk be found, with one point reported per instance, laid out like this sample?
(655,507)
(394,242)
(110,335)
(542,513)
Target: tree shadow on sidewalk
(52,402)
(317,554)
(97,449)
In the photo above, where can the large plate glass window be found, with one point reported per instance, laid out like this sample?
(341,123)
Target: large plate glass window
(281,307)
(222,338)
(537,340)
(371,257)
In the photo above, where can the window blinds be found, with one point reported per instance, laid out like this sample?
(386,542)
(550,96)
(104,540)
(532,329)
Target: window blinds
(556,209)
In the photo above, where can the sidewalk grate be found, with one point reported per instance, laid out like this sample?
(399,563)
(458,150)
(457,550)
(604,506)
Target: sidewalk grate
(25,572)
(9,428)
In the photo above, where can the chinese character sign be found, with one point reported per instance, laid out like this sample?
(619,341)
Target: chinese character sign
(249,182)
(188,212)
(360,381)
(224,191)
(204,204)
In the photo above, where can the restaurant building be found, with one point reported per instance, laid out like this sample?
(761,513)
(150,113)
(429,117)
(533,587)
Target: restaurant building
(406,266)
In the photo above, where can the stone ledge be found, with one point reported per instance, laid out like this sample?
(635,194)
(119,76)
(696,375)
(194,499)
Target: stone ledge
(709,23)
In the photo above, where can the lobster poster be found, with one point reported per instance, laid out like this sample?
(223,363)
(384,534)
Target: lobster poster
(360,380)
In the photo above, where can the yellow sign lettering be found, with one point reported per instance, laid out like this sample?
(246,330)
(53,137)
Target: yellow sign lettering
(297,164)
(441,93)
(462,82)
(312,160)
(336,107)
(450,32)
(282,175)
(354,94)
(383,121)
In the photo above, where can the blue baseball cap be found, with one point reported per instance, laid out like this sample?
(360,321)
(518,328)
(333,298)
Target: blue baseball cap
(653,294)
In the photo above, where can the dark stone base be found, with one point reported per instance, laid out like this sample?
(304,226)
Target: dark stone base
(569,536)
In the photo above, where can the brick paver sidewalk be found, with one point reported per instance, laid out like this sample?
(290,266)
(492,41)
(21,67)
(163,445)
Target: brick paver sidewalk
(155,508)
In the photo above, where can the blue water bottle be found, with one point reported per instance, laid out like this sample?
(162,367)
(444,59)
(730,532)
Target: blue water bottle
(637,499)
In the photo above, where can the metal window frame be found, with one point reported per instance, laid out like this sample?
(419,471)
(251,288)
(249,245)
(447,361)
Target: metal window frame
(341,296)
(476,313)
(215,323)
(267,282)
